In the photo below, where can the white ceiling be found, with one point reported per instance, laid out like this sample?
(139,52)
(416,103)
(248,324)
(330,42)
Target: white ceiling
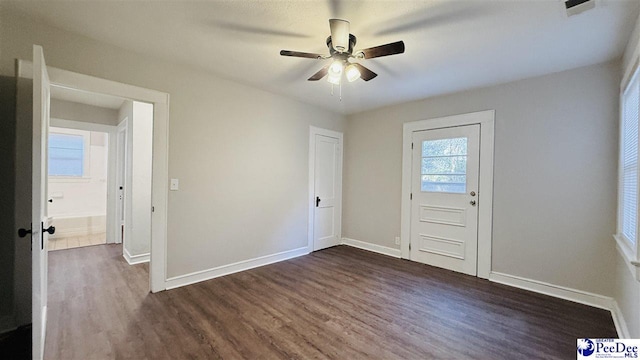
(450,45)
(87,98)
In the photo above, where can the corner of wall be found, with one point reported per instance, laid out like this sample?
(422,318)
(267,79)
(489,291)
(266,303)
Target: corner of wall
(632,49)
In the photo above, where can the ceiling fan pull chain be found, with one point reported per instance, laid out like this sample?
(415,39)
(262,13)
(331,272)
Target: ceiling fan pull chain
(340,90)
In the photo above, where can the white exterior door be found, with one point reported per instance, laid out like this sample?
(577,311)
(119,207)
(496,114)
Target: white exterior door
(327,190)
(444,197)
(39,236)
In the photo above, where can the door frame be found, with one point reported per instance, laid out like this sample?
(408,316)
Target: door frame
(313,131)
(121,162)
(486,120)
(160,171)
(111,180)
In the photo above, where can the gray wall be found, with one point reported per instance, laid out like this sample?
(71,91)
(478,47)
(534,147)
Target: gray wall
(68,110)
(240,153)
(7,203)
(554,176)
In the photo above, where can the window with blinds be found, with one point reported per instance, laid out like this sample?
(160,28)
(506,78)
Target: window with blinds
(66,155)
(629,159)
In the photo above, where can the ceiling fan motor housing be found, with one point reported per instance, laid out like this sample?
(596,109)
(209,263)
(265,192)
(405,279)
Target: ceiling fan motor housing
(352,43)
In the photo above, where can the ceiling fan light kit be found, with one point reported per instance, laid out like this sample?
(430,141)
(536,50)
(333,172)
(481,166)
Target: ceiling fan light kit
(335,73)
(352,73)
(341,45)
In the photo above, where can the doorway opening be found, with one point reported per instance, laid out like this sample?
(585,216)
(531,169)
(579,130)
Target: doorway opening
(99,172)
(77,187)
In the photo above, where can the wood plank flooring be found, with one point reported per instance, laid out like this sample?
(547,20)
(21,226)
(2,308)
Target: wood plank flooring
(339,303)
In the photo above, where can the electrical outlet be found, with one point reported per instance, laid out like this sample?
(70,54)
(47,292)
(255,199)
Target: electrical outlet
(175,185)
(397,240)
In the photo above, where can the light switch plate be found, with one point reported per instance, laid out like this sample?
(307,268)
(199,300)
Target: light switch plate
(174,185)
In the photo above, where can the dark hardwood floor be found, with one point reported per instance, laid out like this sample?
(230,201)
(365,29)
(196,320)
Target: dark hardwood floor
(340,303)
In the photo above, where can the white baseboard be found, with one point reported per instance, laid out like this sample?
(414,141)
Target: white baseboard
(372,247)
(198,276)
(618,320)
(135,259)
(562,292)
(579,296)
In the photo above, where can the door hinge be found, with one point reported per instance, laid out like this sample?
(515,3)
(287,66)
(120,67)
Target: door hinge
(411,146)
(411,196)
(153,208)
(409,246)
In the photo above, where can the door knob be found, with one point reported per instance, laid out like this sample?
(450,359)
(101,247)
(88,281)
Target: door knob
(317,200)
(472,202)
(23,232)
(51,230)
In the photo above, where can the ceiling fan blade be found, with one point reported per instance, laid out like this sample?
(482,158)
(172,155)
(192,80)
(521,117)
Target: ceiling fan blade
(320,74)
(339,34)
(300,54)
(384,50)
(365,74)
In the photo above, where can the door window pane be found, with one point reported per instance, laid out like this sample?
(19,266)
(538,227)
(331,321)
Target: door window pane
(442,147)
(444,165)
(454,165)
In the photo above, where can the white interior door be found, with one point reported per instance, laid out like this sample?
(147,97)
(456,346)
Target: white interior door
(327,209)
(39,237)
(444,197)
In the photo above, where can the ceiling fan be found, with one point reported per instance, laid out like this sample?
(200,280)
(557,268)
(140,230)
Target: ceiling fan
(341,44)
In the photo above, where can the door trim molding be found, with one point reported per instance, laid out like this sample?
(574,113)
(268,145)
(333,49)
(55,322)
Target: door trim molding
(160,169)
(120,210)
(486,120)
(313,131)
